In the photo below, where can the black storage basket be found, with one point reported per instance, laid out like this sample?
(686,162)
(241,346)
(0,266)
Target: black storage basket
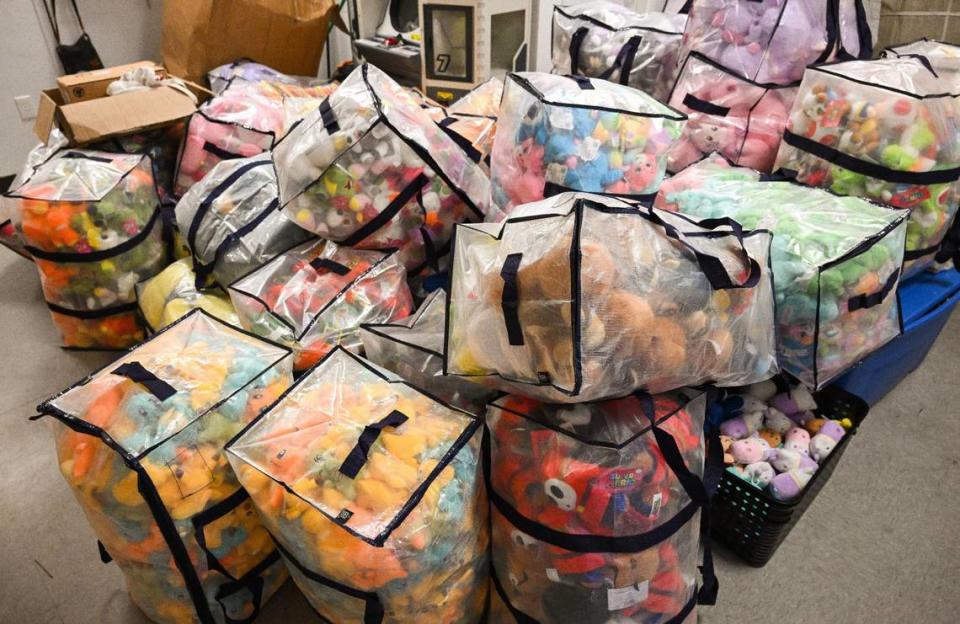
(749,520)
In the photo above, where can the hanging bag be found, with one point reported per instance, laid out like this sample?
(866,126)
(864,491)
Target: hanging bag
(79,56)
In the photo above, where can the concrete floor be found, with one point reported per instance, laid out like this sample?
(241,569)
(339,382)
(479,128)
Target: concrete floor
(880,544)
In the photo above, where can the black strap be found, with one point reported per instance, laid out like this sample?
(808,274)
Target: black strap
(219,152)
(923,61)
(326,264)
(82,156)
(134,371)
(510,299)
(358,454)
(624,60)
(692,484)
(253,582)
(90,315)
(103,254)
(104,555)
(864,301)
(204,269)
(685,9)
(208,515)
(702,106)
(373,613)
(328,117)
(575,42)
(583,82)
(389,212)
(832,155)
(864,35)
(950,245)
(214,195)
(552,188)
(462,142)
(51,10)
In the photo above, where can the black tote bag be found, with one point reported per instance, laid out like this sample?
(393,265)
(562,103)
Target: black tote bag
(79,56)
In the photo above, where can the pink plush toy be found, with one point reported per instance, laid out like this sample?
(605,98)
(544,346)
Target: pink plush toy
(748,450)
(797,440)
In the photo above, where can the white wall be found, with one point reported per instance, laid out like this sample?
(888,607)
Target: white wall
(121,30)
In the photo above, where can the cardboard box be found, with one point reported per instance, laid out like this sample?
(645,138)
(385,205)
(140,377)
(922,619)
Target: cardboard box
(91,85)
(126,113)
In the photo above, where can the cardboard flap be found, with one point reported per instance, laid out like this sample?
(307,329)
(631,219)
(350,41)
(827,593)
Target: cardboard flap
(125,113)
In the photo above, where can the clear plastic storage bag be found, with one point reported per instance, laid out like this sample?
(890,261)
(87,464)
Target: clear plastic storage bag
(370,169)
(741,119)
(231,221)
(886,130)
(597,509)
(91,221)
(773,41)
(709,170)
(943,57)
(836,266)
(559,133)
(173,293)
(140,442)
(413,348)
(373,492)
(244,70)
(607,40)
(581,297)
(315,296)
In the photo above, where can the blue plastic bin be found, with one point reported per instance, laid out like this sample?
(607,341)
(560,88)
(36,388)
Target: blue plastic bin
(926,302)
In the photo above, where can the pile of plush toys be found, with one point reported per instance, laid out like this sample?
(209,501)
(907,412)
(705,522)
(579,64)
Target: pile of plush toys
(885,130)
(836,263)
(774,441)
(607,40)
(315,296)
(373,490)
(173,293)
(646,313)
(561,476)
(559,133)
(91,221)
(141,444)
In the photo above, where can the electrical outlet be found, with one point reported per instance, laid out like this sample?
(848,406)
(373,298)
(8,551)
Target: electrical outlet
(26,107)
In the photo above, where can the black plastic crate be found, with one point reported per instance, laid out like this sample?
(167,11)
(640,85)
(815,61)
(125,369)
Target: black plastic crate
(750,521)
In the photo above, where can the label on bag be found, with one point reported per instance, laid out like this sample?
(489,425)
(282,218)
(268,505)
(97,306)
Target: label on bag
(620,598)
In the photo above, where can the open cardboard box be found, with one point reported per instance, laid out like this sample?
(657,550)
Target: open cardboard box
(104,117)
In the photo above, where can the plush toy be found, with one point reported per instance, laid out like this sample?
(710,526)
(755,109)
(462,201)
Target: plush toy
(797,440)
(605,139)
(172,293)
(777,421)
(772,437)
(315,297)
(787,486)
(400,514)
(82,202)
(759,474)
(890,137)
(608,32)
(747,451)
(168,407)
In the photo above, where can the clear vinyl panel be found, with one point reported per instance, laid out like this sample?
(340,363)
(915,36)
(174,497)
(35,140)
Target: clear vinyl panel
(836,264)
(608,33)
(740,119)
(401,524)
(171,513)
(943,57)
(713,168)
(173,293)
(888,131)
(554,135)
(315,297)
(581,297)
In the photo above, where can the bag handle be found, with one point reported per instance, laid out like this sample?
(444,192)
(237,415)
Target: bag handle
(624,60)
(575,42)
(326,264)
(328,117)
(865,301)
(510,299)
(358,454)
(134,371)
(703,106)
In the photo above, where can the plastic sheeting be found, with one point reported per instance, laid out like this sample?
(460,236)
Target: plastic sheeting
(607,40)
(373,491)
(836,265)
(886,130)
(91,220)
(140,443)
(582,297)
(943,57)
(371,169)
(173,293)
(413,349)
(740,119)
(316,296)
(231,220)
(591,521)
(560,134)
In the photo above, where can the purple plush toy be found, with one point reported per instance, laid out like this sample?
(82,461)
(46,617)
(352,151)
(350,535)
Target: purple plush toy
(787,486)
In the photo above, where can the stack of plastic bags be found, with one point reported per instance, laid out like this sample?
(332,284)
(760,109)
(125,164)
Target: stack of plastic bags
(370,169)
(836,266)
(91,221)
(607,40)
(887,130)
(315,296)
(140,443)
(373,493)
(559,133)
